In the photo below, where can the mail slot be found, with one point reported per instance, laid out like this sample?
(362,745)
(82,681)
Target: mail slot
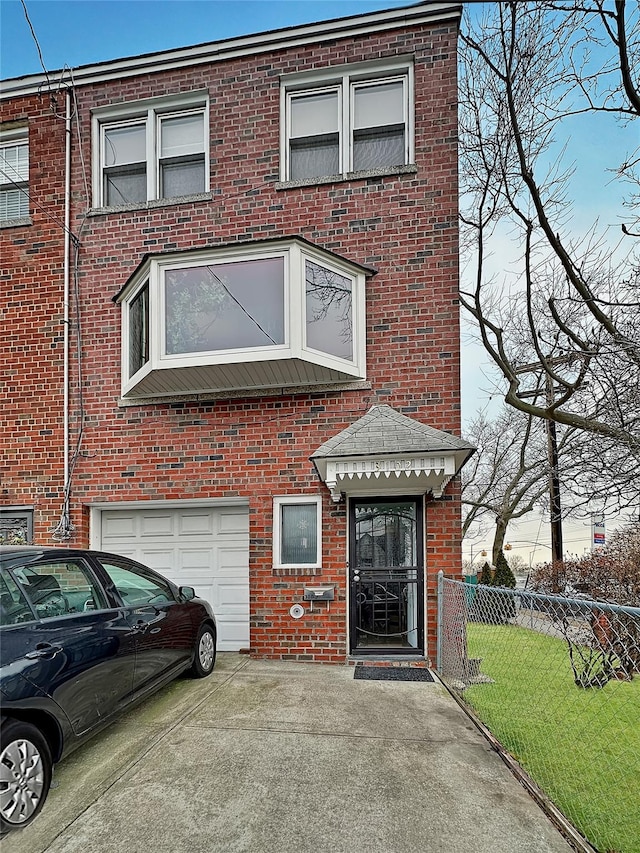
(319,593)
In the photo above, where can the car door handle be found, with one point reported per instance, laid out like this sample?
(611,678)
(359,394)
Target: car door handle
(44,650)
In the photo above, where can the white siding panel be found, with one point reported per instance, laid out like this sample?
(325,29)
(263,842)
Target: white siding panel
(206,548)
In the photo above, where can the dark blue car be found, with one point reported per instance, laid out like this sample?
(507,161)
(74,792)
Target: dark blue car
(83,635)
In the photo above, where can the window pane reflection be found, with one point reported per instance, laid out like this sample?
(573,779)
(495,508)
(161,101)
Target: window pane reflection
(139,330)
(225,306)
(328,302)
(125,145)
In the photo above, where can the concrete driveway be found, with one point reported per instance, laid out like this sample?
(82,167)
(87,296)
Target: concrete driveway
(274,757)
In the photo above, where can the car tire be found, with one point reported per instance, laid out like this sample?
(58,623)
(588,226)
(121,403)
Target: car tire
(25,774)
(204,657)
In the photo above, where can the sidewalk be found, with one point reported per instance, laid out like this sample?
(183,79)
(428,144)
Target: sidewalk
(271,757)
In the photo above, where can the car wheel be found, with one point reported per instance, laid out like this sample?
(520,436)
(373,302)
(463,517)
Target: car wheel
(205,653)
(25,774)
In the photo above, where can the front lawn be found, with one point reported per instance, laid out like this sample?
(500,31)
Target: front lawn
(582,747)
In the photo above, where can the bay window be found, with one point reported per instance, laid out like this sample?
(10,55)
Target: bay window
(277,314)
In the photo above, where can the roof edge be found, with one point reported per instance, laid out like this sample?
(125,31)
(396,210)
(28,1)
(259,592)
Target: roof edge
(236,46)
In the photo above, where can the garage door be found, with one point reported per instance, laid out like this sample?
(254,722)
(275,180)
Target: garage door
(204,547)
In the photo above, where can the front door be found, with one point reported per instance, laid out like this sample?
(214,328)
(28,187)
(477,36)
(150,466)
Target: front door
(386,576)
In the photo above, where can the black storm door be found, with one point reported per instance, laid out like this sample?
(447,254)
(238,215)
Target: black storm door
(386,576)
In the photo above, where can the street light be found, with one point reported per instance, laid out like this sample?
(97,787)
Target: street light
(482,553)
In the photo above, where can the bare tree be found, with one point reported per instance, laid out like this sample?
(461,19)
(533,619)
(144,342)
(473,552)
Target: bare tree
(564,327)
(508,476)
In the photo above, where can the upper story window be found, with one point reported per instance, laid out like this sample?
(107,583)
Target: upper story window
(342,121)
(151,150)
(286,314)
(14,175)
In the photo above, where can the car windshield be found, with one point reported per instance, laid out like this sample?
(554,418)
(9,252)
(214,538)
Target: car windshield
(135,587)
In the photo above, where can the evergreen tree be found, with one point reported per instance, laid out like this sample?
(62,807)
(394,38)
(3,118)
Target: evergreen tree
(503,575)
(486,575)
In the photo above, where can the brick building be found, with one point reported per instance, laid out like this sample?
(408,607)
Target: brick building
(231,345)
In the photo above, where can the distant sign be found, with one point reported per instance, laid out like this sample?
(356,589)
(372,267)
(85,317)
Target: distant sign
(598,533)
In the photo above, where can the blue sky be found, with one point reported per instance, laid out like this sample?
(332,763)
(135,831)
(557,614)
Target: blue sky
(79,32)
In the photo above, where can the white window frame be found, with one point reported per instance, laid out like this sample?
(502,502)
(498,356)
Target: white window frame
(149,113)
(12,139)
(290,500)
(293,95)
(158,318)
(295,254)
(345,80)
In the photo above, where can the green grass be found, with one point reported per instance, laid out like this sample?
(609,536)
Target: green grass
(582,747)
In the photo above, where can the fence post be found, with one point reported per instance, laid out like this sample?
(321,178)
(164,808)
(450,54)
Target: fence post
(440,627)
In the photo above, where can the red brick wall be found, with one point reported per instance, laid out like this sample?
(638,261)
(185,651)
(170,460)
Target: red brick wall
(405,226)
(32,310)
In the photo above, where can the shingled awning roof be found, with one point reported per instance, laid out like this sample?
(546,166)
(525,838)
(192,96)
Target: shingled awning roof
(390,453)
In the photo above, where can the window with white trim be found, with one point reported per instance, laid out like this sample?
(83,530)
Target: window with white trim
(355,121)
(14,175)
(297,531)
(151,150)
(285,314)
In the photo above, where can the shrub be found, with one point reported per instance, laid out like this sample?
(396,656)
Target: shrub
(607,574)
(486,575)
(503,576)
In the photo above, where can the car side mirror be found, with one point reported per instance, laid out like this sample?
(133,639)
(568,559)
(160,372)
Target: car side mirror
(187,592)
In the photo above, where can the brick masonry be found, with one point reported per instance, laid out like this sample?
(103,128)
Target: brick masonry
(404,225)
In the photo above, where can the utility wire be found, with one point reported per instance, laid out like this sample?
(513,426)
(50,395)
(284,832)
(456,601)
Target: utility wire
(219,281)
(65,528)
(20,186)
(37,43)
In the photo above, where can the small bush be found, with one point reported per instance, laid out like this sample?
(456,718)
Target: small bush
(503,576)
(486,575)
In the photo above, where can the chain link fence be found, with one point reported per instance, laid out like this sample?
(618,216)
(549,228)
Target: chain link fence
(557,683)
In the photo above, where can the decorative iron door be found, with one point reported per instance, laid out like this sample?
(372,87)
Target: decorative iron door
(386,576)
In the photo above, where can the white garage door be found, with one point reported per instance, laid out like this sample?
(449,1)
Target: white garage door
(204,547)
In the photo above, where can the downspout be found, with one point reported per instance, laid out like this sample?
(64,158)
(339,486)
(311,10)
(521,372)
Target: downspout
(440,626)
(67,280)
(64,529)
